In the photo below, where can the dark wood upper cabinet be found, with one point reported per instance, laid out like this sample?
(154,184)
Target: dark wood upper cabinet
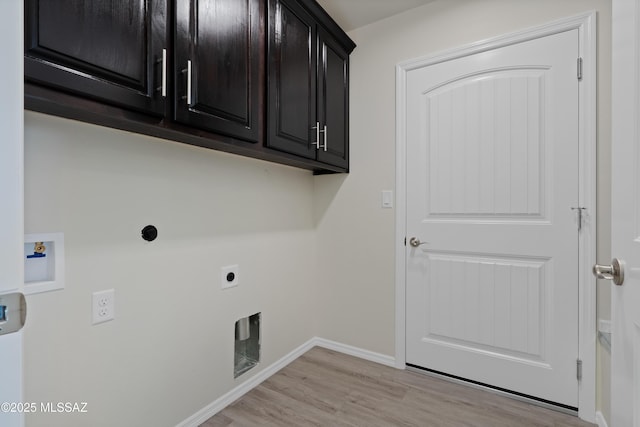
(308,84)
(292,78)
(218,66)
(108,50)
(333,101)
(259,78)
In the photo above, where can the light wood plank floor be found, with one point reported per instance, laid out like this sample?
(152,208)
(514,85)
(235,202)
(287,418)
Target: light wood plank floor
(325,388)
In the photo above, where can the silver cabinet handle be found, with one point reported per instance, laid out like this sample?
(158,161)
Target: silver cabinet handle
(318,131)
(189,83)
(415,242)
(317,128)
(325,138)
(614,272)
(164,73)
(317,141)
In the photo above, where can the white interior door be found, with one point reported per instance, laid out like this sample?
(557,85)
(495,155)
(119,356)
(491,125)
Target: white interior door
(11,200)
(625,346)
(492,183)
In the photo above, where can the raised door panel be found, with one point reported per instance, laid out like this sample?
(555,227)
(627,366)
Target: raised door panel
(292,79)
(486,144)
(109,50)
(333,94)
(487,304)
(220,90)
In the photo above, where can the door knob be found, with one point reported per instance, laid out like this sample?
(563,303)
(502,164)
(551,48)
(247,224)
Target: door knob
(614,272)
(13,312)
(415,242)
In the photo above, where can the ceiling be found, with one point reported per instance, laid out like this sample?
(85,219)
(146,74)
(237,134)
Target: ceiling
(351,14)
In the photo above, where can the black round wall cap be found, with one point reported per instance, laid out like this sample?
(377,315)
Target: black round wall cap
(149,233)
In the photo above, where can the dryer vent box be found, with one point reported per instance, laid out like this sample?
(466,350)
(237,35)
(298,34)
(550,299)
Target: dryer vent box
(247,344)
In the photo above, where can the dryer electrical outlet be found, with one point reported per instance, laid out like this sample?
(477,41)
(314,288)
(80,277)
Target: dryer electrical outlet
(229,276)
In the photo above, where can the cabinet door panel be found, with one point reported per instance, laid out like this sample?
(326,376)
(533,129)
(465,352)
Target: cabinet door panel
(110,50)
(292,79)
(221,38)
(333,92)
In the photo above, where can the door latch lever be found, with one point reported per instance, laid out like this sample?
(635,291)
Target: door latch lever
(580,213)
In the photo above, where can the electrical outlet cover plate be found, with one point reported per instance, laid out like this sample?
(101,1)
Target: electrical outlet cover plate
(229,276)
(103,306)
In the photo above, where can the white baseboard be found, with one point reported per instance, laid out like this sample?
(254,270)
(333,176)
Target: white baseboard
(237,392)
(600,420)
(371,356)
(225,400)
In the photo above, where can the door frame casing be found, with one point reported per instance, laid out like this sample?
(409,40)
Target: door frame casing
(12,218)
(585,23)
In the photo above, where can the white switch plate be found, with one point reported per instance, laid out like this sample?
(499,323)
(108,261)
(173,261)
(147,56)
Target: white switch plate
(103,306)
(229,272)
(387,199)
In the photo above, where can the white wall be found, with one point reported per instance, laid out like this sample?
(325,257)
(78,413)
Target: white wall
(356,236)
(169,351)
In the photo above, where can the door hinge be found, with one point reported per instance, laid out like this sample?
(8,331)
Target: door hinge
(579,68)
(579,369)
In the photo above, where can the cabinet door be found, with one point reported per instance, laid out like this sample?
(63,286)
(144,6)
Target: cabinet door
(218,64)
(109,50)
(292,79)
(333,101)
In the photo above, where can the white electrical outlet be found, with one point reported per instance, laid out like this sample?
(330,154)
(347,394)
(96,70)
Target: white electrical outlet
(103,307)
(229,276)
